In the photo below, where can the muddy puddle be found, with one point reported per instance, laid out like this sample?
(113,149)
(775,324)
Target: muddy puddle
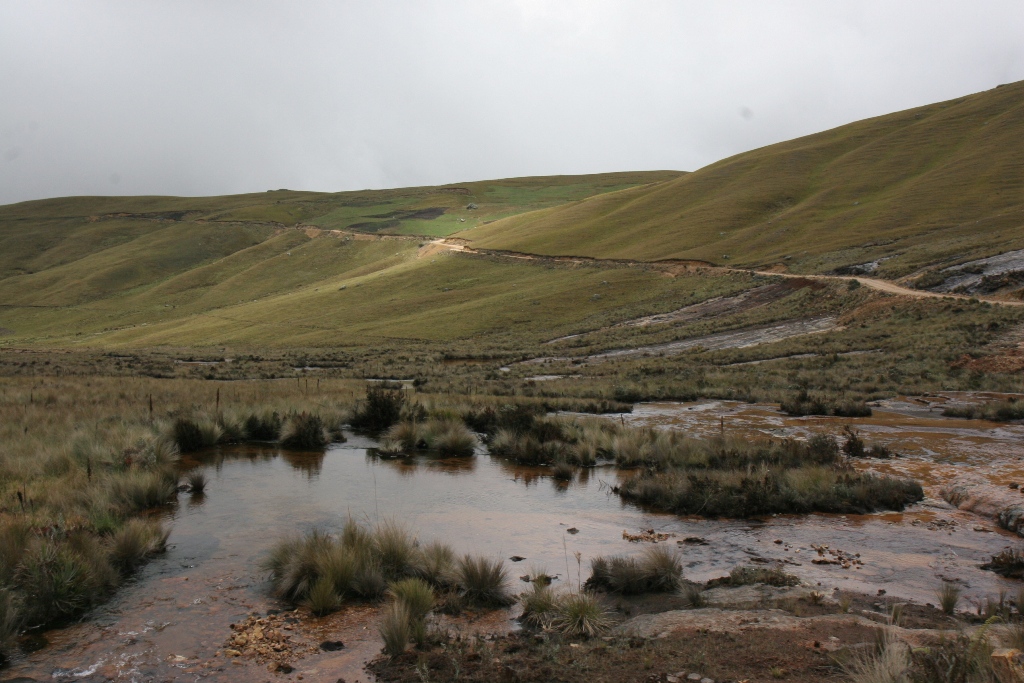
(173,620)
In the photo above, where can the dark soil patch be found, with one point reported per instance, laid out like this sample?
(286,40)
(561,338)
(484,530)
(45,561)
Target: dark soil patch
(799,655)
(394,219)
(428,214)
(877,607)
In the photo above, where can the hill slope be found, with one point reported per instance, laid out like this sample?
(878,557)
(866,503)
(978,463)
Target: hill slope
(90,269)
(934,184)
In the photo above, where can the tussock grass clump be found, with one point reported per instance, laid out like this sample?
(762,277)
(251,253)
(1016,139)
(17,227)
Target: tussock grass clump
(395,549)
(381,408)
(563,471)
(949,597)
(540,606)
(358,563)
(135,542)
(436,564)
(416,594)
(804,404)
(957,659)
(694,594)
(889,664)
(996,411)
(762,491)
(581,615)
(395,628)
(484,582)
(58,580)
(196,481)
(657,570)
(323,598)
(140,489)
(450,438)
(409,436)
(305,432)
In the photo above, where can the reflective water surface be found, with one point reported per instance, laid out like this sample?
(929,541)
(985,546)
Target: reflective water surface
(172,621)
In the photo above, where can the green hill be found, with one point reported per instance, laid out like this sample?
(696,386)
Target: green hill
(261,269)
(936,184)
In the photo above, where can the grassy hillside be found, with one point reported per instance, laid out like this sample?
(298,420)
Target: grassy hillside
(940,183)
(81,268)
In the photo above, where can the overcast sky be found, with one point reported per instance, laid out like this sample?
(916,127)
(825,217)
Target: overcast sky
(195,98)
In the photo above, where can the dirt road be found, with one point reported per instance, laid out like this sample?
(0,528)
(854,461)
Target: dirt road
(873,283)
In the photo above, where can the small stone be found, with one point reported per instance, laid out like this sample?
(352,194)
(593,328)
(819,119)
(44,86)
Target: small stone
(707,680)
(232,653)
(572,530)
(332,645)
(693,677)
(672,679)
(516,558)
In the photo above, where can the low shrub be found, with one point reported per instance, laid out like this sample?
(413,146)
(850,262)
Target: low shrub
(381,408)
(305,432)
(264,426)
(187,436)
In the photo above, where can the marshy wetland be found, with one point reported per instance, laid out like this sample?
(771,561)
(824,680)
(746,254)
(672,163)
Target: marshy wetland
(181,614)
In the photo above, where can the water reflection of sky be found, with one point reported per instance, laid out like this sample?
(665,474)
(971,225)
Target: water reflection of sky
(182,602)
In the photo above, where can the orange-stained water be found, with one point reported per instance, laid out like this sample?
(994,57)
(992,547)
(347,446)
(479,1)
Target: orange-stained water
(172,620)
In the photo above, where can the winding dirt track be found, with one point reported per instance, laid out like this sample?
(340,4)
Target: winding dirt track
(873,283)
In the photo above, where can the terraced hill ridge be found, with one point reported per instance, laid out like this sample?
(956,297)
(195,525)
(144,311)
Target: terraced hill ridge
(938,184)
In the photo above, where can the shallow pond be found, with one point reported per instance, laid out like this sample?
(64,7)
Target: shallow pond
(170,623)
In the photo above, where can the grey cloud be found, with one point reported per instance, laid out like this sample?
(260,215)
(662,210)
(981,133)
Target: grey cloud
(212,98)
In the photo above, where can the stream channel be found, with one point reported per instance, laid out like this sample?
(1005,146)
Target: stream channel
(172,621)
